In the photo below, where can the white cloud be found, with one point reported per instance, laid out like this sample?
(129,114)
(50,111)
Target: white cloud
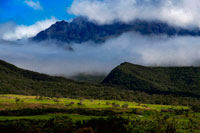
(23,31)
(178,12)
(89,57)
(35,5)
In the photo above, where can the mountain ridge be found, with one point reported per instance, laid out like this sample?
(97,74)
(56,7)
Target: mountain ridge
(156,80)
(81,30)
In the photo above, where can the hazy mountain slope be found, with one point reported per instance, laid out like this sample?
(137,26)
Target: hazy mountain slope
(91,78)
(81,30)
(161,80)
(14,80)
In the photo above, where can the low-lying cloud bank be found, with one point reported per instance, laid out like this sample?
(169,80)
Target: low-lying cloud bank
(48,57)
(175,12)
(11,31)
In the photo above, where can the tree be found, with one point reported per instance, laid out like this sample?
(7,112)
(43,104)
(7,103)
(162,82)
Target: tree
(17,100)
(125,106)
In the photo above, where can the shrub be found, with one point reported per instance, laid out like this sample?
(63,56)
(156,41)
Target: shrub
(195,108)
(17,100)
(92,100)
(80,103)
(115,105)
(107,103)
(125,106)
(72,103)
(41,98)
(56,100)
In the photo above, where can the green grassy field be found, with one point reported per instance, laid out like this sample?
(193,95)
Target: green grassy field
(89,109)
(9,102)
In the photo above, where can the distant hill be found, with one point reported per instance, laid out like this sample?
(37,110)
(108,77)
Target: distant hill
(156,80)
(81,30)
(91,78)
(14,80)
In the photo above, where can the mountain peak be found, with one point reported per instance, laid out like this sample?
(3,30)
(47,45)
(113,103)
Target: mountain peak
(162,80)
(81,30)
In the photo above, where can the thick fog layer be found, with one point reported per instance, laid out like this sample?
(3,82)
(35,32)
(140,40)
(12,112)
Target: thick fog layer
(64,59)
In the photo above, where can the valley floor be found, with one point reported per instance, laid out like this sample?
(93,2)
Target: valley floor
(20,108)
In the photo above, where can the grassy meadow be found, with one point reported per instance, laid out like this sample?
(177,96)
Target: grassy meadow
(37,108)
(9,102)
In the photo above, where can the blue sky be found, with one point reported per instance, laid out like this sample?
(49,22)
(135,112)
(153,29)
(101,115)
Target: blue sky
(20,12)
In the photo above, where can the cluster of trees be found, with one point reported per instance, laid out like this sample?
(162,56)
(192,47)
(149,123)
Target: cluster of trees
(160,124)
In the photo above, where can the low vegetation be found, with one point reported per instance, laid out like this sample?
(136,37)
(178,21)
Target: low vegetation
(93,116)
(14,80)
(34,102)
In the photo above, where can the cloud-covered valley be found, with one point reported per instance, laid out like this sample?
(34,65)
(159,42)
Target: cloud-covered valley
(57,59)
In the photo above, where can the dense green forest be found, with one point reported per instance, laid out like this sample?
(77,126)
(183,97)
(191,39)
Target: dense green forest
(112,124)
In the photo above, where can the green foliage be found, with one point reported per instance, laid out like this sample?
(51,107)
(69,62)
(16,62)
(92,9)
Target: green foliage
(17,100)
(195,108)
(125,106)
(160,124)
(115,105)
(14,80)
(92,78)
(56,100)
(183,81)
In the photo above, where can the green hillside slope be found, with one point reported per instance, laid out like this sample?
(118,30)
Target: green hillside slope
(161,80)
(14,80)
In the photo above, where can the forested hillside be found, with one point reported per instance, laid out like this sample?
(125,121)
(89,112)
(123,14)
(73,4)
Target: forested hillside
(183,81)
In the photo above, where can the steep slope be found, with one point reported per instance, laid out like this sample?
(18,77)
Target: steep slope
(157,80)
(81,30)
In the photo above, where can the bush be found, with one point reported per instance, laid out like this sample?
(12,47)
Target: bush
(92,100)
(195,108)
(72,103)
(125,106)
(107,103)
(115,105)
(80,103)
(17,100)
(56,100)
(41,98)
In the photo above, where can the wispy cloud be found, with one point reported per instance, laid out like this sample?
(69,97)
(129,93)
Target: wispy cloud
(14,32)
(177,12)
(35,5)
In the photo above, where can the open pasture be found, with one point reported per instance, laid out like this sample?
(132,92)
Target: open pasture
(21,101)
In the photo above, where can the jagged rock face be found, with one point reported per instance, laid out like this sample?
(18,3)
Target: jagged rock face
(81,30)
